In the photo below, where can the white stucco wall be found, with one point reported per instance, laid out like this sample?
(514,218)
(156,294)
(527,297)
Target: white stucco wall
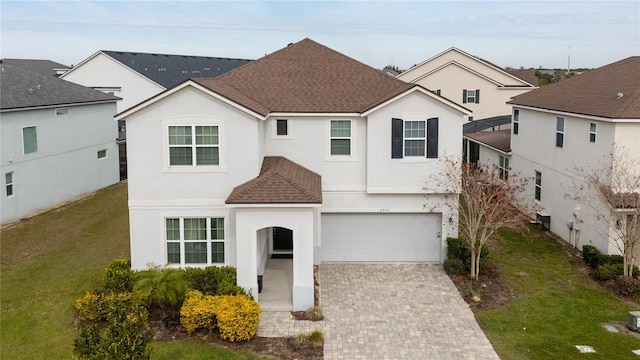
(66,164)
(102,71)
(534,149)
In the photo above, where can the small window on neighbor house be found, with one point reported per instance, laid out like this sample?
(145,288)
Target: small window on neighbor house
(29,139)
(538,190)
(559,132)
(340,137)
(8,183)
(504,168)
(102,154)
(516,121)
(436,91)
(281,127)
(593,130)
(62,111)
(471,96)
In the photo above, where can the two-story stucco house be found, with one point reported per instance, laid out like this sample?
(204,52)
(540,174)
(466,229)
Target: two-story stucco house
(477,84)
(57,139)
(575,123)
(304,151)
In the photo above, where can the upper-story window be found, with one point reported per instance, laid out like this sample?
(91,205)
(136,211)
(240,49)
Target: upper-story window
(436,91)
(282,127)
(538,190)
(195,145)
(516,121)
(471,96)
(560,132)
(593,131)
(414,138)
(62,111)
(29,139)
(340,137)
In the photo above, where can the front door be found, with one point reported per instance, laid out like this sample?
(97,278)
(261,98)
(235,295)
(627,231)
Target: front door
(282,241)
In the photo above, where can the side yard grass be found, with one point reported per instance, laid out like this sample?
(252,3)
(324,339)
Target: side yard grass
(556,305)
(52,259)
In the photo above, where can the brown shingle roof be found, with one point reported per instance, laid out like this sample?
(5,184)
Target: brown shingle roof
(593,93)
(281,181)
(528,75)
(500,139)
(306,77)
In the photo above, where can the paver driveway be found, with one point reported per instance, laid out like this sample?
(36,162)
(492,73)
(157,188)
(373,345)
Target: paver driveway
(397,311)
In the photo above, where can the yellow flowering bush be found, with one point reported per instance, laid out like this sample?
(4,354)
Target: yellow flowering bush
(236,316)
(96,307)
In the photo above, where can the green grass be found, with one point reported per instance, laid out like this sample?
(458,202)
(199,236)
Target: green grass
(52,259)
(555,307)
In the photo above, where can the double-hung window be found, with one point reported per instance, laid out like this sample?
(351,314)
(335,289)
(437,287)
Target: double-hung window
(593,131)
(340,137)
(414,138)
(559,131)
(8,183)
(194,145)
(538,189)
(195,241)
(470,96)
(29,139)
(504,168)
(516,121)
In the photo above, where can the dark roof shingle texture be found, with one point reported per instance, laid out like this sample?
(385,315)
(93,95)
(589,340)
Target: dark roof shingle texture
(500,139)
(306,77)
(169,70)
(593,93)
(23,88)
(45,67)
(281,181)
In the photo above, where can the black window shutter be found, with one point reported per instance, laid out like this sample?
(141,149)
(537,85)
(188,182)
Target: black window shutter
(464,96)
(478,96)
(396,138)
(432,138)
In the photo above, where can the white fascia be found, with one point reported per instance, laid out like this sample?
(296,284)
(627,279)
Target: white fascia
(424,91)
(583,116)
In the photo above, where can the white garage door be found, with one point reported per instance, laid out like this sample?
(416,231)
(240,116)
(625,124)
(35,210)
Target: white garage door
(381,237)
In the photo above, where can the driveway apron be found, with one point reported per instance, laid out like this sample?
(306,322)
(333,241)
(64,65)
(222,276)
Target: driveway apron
(397,311)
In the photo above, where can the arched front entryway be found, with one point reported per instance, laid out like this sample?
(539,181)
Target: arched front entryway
(275,268)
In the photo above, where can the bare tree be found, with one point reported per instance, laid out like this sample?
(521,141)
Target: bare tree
(487,199)
(612,189)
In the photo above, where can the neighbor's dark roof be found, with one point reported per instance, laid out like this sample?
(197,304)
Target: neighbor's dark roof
(593,93)
(24,88)
(306,77)
(169,70)
(281,181)
(528,75)
(483,124)
(500,139)
(45,67)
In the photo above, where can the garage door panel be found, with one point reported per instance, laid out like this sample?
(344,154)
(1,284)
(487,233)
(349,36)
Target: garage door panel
(381,237)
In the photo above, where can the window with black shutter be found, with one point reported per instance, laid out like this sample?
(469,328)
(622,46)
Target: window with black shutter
(397,137)
(432,138)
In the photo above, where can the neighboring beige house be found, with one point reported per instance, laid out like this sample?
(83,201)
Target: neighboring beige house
(305,153)
(477,84)
(575,123)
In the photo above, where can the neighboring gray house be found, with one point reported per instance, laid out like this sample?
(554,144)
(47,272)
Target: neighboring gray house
(57,139)
(135,77)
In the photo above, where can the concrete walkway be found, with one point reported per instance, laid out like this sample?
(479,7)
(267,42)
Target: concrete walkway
(388,311)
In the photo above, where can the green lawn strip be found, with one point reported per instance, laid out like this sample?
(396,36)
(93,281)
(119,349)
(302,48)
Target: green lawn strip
(197,350)
(555,307)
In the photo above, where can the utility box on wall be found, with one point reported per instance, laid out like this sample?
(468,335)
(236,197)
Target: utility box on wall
(544,220)
(634,320)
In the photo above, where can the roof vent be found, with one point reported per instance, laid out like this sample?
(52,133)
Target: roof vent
(620,95)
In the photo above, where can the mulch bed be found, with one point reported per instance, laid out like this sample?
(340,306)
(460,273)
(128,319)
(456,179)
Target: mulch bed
(488,292)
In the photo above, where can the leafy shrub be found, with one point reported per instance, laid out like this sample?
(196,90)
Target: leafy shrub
(611,259)
(236,316)
(118,276)
(591,255)
(628,286)
(126,335)
(608,271)
(214,280)
(162,287)
(454,266)
(96,307)
(315,335)
(459,249)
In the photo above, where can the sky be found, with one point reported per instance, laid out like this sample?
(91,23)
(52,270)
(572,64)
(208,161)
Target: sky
(547,34)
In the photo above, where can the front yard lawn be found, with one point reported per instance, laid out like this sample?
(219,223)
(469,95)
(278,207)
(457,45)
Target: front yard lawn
(556,305)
